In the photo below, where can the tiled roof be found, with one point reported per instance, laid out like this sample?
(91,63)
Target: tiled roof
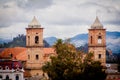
(20,53)
(49,50)
(22,56)
(10,64)
(1,49)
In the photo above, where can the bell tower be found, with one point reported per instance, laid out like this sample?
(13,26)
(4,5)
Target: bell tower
(34,45)
(97,41)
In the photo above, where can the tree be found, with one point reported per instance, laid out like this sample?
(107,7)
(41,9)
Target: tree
(69,64)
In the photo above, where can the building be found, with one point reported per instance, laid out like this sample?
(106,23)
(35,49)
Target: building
(11,70)
(34,45)
(112,72)
(34,55)
(97,41)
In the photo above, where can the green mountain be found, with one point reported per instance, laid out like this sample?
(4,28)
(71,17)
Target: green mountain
(19,41)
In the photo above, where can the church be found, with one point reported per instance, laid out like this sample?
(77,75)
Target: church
(97,41)
(34,55)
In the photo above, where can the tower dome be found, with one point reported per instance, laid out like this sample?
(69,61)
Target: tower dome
(97,24)
(34,23)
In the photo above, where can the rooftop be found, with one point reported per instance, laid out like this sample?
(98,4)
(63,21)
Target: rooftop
(97,24)
(34,23)
(20,53)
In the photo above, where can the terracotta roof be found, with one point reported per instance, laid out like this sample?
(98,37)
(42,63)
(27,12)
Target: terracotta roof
(49,50)
(14,53)
(22,56)
(20,53)
(97,24)
(1,49)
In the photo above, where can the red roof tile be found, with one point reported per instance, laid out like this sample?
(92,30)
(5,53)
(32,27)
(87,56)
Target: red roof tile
(20,53)
(49,50)
(13,53)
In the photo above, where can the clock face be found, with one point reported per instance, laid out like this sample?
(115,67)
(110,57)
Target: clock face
(99,41)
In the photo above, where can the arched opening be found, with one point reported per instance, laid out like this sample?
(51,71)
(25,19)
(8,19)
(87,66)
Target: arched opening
(28,40)
(36,39)
(37,73)
(0,67)
(11,55)
(6,67)
(28,56)
(99,56)
(37,57)
(99,39)
(0,77)
(17,77)
(91,39)
(7,77)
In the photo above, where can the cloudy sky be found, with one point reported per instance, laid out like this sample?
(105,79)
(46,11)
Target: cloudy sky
(60,18)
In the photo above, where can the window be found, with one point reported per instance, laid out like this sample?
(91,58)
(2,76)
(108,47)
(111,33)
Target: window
(37,57)
(7,77)
(17,77)
(28,40)
(6,67)
(0,77)
(28,56)
(11,55)
(99,39)
(37,73)
(36,39)
(99,56)
(91,40)
(0,67)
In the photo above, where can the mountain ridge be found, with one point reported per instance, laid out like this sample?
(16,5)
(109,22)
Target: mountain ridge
(112,40)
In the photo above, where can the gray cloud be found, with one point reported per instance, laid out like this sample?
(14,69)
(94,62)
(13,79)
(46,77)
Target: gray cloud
(57,13)
(33,4)
(13,11)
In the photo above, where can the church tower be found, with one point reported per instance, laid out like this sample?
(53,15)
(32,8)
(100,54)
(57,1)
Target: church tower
(34,44)
(97,41)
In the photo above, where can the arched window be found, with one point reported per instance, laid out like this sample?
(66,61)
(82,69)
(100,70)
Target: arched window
(99,56)
(0,67)
(17,77)
(36,39)
(11,55)
(37,57)
(28,40)
(91,39)
(0,77)
(6,67)
(28,56)
(7,77)
(37,73)
(99,39)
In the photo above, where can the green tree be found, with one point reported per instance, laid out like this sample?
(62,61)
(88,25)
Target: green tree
(70,65)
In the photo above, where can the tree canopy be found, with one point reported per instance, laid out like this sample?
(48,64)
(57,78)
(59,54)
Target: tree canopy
(70,64)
